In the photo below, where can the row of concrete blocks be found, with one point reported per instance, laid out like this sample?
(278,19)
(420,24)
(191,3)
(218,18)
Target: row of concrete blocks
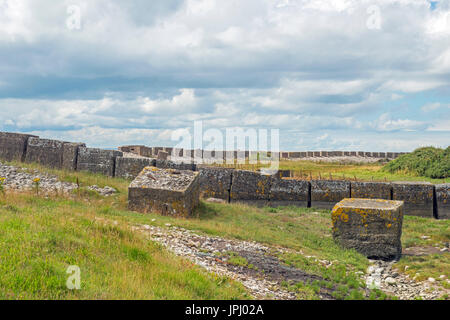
(76,156)
(224,155)
(329,154)
(421,199)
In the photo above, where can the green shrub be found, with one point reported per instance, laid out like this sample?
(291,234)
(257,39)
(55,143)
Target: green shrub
(427,162)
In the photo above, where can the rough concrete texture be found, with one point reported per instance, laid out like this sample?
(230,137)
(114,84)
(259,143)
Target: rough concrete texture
(418,197)
(129,168)
(289,192)
(163,155)
(250,187)
(70,155)
(165,191)
(326,193)
(168,164)
(13,146)
(443,200)
(371,227)
(371,190)
(97,160)
(46,152)
(215,182)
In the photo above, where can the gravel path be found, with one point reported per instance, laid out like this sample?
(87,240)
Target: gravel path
(263,274)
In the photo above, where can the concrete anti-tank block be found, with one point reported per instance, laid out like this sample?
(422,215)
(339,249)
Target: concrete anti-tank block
(215,182)
(371,190)
(13,146)
(418,197)
(129,168)
(250,187)
(289,192)
(443,200)
(70,155)
(165,191)
(97,160)
(46,152)
(326,193)
(371,227)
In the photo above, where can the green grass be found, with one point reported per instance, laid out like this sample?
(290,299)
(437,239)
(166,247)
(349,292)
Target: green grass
(43,236)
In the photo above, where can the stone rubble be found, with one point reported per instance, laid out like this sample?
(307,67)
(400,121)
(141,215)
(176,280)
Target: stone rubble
(23,180)
(381,275)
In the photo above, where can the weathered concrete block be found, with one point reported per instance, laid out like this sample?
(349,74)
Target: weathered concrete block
(97,160)
(375,155)
(443,200)
(129,168)
(324,153)
(310,154)
(382,155)
(70,155)
(371,227)
(163,155)
(326,193)
(168,164)
(316,154)
(46,152)
(250,187)
(285,155)
(368,154)
(371,190)
(289,192)
(215,182)
(418,197)
(294,155)
(165,191)
(13,146)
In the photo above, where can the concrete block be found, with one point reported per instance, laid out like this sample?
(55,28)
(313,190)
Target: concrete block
(46,152)
(368,154)
(390,155)
(382,155)
(418,197)
(316,154)
(371,227)
(129,168)
(324,153)
(443,200)
(70,155)
(165,191)
(163,155)
(371,190)
(289,192)
(13,146)
(294,155)
(250,187)
(168,164)
(97,160)
(215,182)
(310,154)
(326,193)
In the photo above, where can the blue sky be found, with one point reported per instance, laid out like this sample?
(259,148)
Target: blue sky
(330,74)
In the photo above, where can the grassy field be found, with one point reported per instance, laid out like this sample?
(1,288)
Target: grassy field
(43,236)
(349,171)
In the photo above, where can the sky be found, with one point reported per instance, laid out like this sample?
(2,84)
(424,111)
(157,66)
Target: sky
(328,74)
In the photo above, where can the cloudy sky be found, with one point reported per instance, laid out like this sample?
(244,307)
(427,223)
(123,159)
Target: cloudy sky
(330,74)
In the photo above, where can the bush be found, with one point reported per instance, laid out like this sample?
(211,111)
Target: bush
(428,162)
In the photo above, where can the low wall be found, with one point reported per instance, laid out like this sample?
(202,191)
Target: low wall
(46,152)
